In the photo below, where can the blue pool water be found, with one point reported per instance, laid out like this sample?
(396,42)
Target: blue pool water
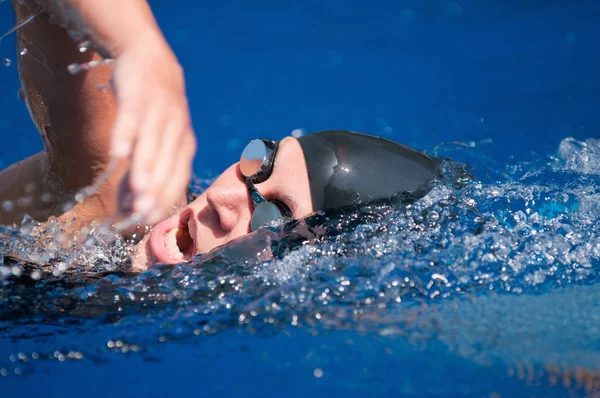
(489,289)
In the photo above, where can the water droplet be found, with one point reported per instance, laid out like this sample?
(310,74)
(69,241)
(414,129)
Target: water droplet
(8,206)
(298,132)
(74,68)
(24,52)
(84,46)
(16,270)
(7,62)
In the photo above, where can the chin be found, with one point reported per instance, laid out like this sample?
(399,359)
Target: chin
(142,257)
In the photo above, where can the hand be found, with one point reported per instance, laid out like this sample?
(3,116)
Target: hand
(153,129)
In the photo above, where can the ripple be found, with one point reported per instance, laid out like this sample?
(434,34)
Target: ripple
(501,272)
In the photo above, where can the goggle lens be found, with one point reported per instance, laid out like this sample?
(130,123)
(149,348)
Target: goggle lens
(256,165)
(254,157)
(264,213)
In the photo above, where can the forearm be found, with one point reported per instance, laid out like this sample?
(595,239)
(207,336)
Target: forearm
(114,25)
(73,114)
(82,126)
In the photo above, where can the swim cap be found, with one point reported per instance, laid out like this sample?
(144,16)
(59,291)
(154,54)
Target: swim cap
(346,168)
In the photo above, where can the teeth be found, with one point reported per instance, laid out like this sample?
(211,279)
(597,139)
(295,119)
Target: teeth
(192,231)
(171,244)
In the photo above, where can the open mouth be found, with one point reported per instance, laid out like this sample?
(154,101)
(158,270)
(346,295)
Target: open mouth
(172,240)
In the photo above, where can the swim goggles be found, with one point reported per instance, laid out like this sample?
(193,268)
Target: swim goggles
(256,165)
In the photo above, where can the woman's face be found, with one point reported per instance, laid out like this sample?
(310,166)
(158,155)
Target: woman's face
(223,212)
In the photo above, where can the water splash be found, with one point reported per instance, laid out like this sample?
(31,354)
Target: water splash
(496,271)
(84,46)
(75,69)
(24,22)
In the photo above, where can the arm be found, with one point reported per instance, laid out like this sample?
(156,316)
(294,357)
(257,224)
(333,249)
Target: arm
(153,127)
(112,32)
(76,119)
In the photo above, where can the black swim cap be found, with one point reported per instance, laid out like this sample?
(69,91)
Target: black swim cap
(346,168)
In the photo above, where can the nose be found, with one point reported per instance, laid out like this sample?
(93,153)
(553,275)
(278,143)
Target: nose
(232,204)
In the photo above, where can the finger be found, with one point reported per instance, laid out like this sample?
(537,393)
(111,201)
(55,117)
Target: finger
(123,134)
(148,141)
(176,182)
(175,187)
(125,196)
(178,147)
(129,113)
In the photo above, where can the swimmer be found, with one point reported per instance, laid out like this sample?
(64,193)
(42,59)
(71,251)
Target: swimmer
(289,179)
(274,180)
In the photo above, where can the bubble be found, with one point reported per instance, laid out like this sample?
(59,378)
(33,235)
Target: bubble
(7,62)
(24,52)
(318,372)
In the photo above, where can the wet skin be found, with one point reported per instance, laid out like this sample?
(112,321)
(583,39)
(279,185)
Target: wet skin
(223,212)
(81,119)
